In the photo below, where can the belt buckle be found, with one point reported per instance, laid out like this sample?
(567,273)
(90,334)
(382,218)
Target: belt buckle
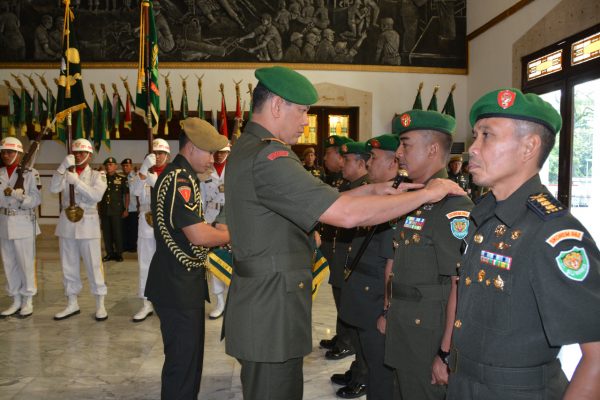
(453,359)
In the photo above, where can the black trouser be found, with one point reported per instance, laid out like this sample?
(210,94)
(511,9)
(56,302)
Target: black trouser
(342,329)
(359,365)
(130,231)
(380,377)
(272,381)
(183,341)
(112,230)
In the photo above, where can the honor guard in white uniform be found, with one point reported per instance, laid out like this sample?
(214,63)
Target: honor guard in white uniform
(80,239)
(18,228)
(212,188)
(141,187)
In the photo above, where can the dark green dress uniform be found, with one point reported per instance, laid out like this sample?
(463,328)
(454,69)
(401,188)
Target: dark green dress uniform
(273,204)
(428,242)
(362,300)
(461,179)
(111,209)
(529,283)
(316,171)
(176,283)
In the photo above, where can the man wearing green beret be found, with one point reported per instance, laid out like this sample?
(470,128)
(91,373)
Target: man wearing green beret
(112,209)
(176,283)
(530,274)
(418,315)
(362,292)
(274,203)
(334,162)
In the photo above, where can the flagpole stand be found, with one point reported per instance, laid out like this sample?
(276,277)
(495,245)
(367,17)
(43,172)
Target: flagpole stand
(73,212)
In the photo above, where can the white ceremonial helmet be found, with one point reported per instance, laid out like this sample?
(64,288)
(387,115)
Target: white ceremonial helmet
(11,143)
(161,145)
(82,145)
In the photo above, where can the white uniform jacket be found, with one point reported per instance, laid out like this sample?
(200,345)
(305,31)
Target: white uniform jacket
(212,189)
(142,188)
(17,219)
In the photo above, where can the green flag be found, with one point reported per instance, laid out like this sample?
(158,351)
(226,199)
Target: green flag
(70,95)
(250,91)
(449,105)
(433,102)
(117,106)
(106,124)
(80,127)
(184,109)
(148,42)
(13,106)
(200,107)
(24,110)
(418,105)
(169,109)
(96,125)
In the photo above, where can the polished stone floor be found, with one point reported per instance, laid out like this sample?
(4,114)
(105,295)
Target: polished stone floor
(80,358)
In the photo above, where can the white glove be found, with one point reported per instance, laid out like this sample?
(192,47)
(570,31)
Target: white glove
(68,162)
(18,195)
(149,162)
(72,178)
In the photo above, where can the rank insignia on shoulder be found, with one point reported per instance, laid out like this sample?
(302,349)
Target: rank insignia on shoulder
(279,153)
(545,206)
(565,234)
(574,263)
(459,228)
(185,192)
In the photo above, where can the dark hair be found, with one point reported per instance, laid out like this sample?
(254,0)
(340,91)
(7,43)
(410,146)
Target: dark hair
(260,95)
(523,127)
(444,140)
(183,139)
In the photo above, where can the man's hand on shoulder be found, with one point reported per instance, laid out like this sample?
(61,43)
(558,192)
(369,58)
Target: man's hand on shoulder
(438,188)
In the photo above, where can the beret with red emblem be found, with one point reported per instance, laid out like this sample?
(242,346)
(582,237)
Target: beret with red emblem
(335,140)
(512,103)
(387,142)
(421,120)
(287,84)
(354,148)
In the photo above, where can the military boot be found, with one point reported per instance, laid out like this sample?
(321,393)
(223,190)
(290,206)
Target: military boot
(71,309)
(26,307)
(219,308)
(14,308)
(144,312)
(101,314)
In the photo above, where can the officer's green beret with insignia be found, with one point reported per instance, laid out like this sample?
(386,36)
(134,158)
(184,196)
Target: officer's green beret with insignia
(110,160)
(287,84)
(354,148)
(126,161)
(414,120)
(335,140)
(387,142)
(512,103)
(203,135)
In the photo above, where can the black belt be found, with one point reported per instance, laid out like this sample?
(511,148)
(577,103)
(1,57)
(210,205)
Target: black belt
(259,266)
(521,377)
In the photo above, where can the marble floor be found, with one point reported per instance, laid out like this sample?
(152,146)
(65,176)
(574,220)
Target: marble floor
(80,358)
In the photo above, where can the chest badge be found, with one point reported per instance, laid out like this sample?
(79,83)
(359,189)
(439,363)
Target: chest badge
(500,230)
(481,275)
(416,238)
(499,283)
(459,228)
(574,263)
(415,223)
(502,245)
(497,260)
(478,238)
(514,235)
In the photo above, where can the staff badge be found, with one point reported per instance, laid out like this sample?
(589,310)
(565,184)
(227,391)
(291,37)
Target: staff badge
(515,234)
(459,228)
(500,230)
(574,263)
(481,275)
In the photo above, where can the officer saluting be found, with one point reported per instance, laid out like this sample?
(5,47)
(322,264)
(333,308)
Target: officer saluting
(113,208)
(530,276)
(18,228)
(177,279)
(81,239)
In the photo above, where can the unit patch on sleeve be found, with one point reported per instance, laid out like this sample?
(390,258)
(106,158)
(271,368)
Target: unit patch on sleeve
(459,228)
(185,192)
(279,153)
(574,263)
(565,234)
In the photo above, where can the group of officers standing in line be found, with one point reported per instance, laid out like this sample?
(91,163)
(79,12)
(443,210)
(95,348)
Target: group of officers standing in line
(437,297)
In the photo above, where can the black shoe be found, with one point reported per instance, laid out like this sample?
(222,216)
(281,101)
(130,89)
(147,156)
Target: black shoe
(352,391)
(108,257)
(342,379)
(328,343)
(338,354)
(118,258)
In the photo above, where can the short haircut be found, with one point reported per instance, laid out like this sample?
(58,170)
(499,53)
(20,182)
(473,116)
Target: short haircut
(360,156)
(260,95)
(523,127)
(443,139)
(183,139)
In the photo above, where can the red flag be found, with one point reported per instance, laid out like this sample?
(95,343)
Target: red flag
(223,116)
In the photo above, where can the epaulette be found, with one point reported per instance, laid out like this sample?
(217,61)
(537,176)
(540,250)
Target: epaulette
(271,140)
(545,206)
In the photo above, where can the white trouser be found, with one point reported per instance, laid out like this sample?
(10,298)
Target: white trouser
(18,257)
(146,248)
(71,250)
(218,286)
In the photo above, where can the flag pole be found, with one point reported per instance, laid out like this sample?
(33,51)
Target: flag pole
(148,71)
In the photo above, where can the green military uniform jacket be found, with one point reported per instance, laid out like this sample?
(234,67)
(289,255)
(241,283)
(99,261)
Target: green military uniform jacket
(529,281)
(273,202)
(113,200)
(177,277)
(343,238)
(461,179)
(363,293)
(428,242)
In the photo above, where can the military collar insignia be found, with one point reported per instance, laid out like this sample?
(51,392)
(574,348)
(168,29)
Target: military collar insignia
(574,263)
(497,260)
(545,206)
(565,234)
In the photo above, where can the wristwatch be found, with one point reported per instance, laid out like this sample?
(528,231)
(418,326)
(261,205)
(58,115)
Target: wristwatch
(443,355)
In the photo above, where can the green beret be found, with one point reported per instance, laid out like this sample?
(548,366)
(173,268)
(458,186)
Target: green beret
(335,140)
(387,142)
(414,120)
(354,148)
(287,84)
(110,160)
(126,161)
(512,103)
(203,135)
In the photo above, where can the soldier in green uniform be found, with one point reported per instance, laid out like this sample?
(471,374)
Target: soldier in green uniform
(112,209)
(273,204)
(334,162)
(362,296)
(530,274)
(418,319)
(309,160)
(176,283)
(455,172)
